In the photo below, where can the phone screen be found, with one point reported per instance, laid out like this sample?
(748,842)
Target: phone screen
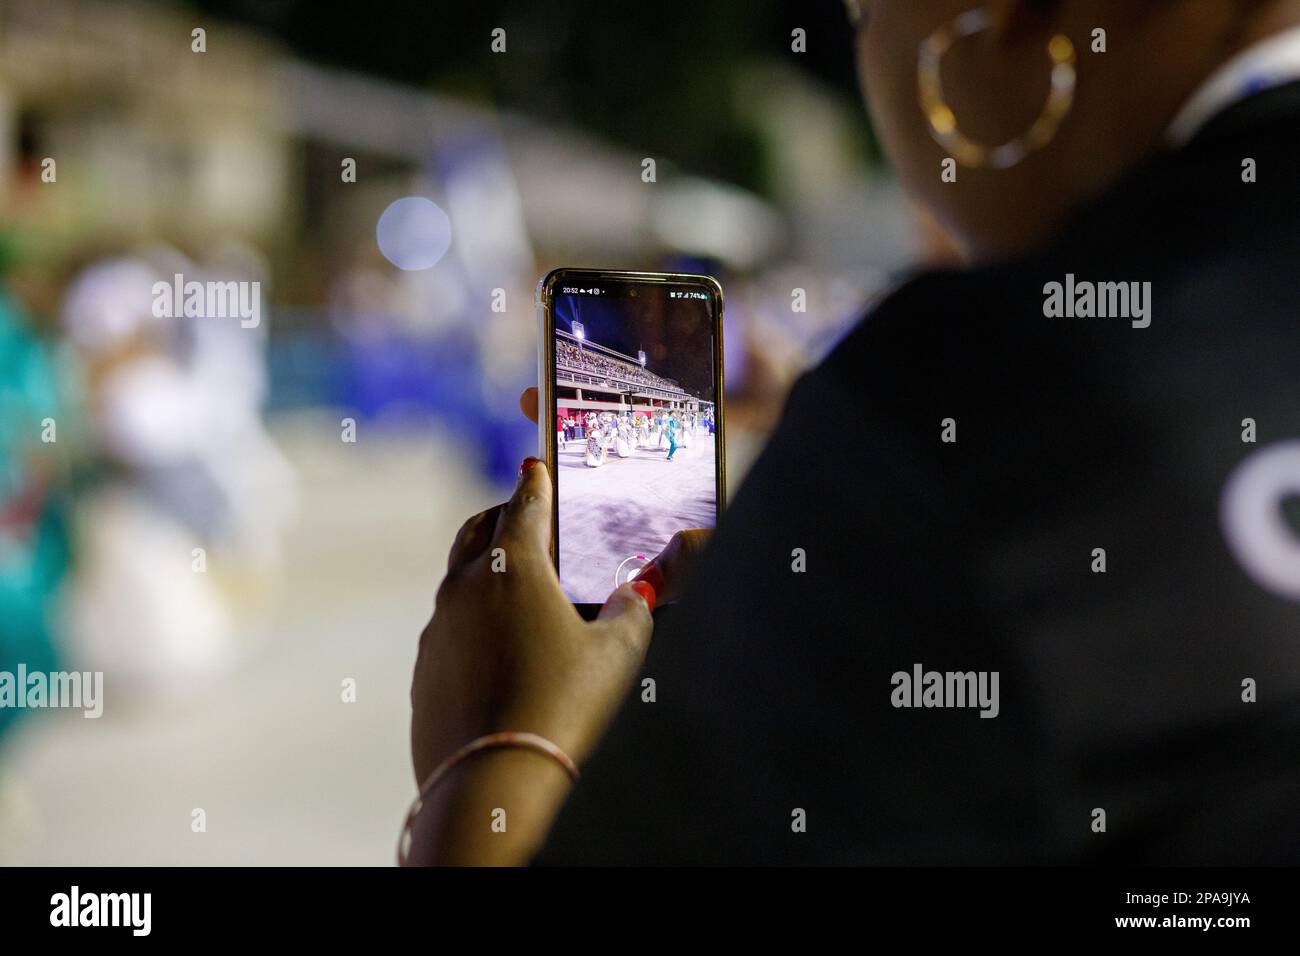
(635,368)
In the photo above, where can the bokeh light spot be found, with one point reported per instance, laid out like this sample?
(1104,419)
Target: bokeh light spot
(413,233)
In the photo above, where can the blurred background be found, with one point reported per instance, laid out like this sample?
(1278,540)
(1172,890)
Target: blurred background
(243,524)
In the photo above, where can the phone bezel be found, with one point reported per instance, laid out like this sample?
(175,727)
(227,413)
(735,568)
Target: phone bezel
(546,377)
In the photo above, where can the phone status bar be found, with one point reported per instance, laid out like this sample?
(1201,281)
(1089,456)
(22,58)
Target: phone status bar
(624,290)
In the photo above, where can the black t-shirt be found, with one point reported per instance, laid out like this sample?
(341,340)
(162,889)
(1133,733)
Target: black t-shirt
(863,545)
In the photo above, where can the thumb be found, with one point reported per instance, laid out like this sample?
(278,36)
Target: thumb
(626,616)
(528,403)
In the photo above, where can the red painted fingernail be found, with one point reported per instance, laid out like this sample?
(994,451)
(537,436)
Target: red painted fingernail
(528,464)
(652,576)
(647,592)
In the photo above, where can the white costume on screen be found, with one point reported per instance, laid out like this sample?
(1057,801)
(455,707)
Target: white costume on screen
(595,448)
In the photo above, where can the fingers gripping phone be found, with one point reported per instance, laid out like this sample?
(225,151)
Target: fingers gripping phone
(630,420)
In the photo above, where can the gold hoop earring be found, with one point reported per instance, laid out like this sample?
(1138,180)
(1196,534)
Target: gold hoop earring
(942,120)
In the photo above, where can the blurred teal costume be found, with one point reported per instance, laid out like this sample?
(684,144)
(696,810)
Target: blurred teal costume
(33,530)
(672,438)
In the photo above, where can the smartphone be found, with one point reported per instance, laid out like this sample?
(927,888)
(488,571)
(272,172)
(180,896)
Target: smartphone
(630,419)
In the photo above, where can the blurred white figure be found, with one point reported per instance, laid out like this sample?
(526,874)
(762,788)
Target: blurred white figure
(625,438)
(187,527)
(229,368)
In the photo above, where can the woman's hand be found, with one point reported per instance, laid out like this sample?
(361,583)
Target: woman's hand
(505,650)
